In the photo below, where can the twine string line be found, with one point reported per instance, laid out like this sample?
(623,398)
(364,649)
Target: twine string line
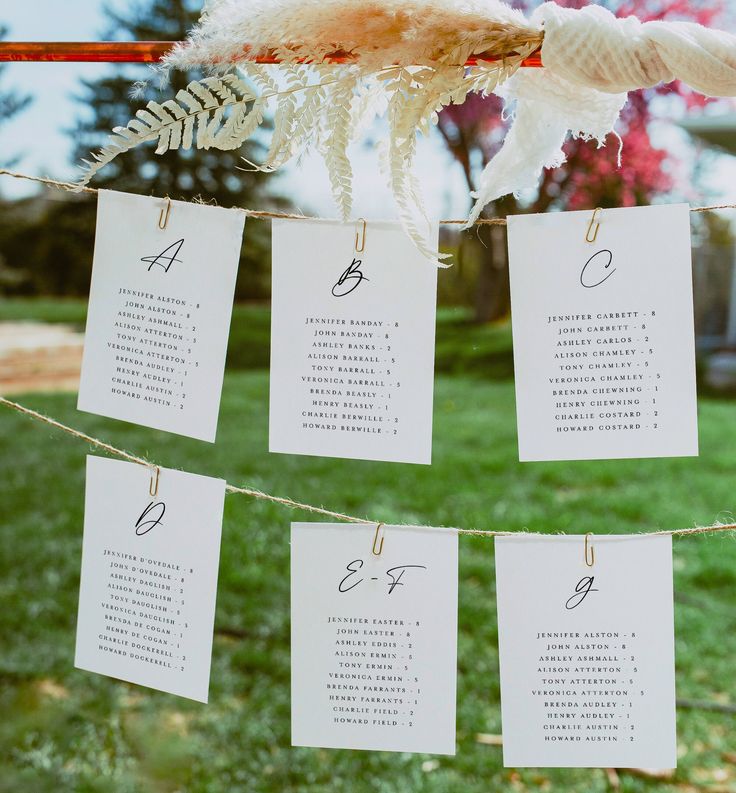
(292,504)
(288,502)
(260,213)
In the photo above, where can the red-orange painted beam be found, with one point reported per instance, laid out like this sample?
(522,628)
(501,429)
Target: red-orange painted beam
(145,52)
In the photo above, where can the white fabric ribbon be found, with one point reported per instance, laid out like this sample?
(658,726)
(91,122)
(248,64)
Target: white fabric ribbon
(591,59)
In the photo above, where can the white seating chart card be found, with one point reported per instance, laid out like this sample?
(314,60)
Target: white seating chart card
(586,653)
(159,312)
(149,576)
(373,638)
(352,342)
(604,352)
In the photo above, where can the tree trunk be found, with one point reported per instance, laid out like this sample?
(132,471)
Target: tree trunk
(492,297)
(488,243)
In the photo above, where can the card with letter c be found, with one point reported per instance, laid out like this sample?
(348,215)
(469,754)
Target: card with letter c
(604,347)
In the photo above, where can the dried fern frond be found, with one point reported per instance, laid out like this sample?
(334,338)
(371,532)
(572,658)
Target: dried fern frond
(216,110)
(334,146)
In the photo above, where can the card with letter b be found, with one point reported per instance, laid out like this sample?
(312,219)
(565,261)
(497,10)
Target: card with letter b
(352,342)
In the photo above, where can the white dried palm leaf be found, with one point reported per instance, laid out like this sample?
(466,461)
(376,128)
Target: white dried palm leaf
(375,32)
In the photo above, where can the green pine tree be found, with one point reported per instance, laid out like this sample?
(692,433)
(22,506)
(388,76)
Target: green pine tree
(107,103)
(11,103)
(209,175)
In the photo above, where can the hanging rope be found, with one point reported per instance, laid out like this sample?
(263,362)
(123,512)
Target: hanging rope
(260,213)
(292,504)
(288,502)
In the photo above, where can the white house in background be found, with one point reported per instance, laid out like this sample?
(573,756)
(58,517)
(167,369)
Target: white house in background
(719,131)
(720,371)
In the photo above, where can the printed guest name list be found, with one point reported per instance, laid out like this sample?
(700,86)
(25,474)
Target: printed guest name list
(607,379)
(149,576)
(374,637)
(350,386)
(159,312)
(352,343)
(603,334)
(586,651)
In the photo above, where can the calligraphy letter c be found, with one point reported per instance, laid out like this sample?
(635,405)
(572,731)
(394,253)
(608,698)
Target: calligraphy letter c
(605,267)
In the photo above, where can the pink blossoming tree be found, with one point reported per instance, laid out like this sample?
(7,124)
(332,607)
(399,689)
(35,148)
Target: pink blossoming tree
(475,130)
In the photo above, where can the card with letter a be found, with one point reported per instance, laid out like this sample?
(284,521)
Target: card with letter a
(352,342)
(163,280)
(149,576)
(586,651)
(373,637)
(604,351)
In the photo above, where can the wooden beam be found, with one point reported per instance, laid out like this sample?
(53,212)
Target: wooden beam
(149,52)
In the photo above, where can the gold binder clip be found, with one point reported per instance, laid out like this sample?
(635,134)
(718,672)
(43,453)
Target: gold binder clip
(593,226)
(153,486)
(375,540)
(360,235)
(163,215)
(589,547)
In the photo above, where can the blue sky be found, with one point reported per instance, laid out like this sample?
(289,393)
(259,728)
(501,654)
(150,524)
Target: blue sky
(38,134)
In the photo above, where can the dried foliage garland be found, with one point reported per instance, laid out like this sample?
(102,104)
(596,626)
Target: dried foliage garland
(327,107)
(404,60)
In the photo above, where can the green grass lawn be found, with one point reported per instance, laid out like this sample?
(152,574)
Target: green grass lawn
(462,347)
(67,730)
